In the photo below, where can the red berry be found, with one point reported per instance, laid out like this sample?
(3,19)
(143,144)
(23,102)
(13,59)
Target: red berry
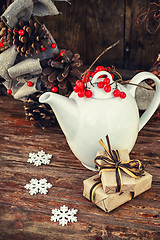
(86,79)
(21,32)
(89,73)
(1,44)
(108,69)
(54,89)
(112,75)
(81,94)
(88,93)
(92,74)
(61,53)
(122,95)
(43,49)
(107,88)
(80,84)
(102,76)
(29,84)
(76,89)
(100,84)
(106,80)
(116,93)
(53,45)
(9,91)
(100,68)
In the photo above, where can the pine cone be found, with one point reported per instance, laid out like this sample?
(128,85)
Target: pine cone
(41,114)
(6,36)
(61,72)
(30,37)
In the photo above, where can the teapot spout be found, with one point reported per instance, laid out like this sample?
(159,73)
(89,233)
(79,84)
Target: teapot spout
(65,111)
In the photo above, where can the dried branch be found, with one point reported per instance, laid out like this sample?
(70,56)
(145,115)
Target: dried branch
(106,50)
(152,13)
(121,81)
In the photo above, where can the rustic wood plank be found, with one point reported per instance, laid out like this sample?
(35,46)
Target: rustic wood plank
(69,28)
(24,217)
(104,27)
(143,46)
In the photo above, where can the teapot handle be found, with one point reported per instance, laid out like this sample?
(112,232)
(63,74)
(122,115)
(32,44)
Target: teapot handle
(156,98)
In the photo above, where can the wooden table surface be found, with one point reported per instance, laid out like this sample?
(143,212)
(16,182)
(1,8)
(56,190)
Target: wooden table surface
(24,217)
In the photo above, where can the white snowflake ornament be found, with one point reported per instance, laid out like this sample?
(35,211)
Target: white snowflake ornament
(39,158)
(64,215)
(38,186)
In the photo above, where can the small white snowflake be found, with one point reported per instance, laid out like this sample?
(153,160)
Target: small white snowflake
(64,215)
(38,186)
(39,158)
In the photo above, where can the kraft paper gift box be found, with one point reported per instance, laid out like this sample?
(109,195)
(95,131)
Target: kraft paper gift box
(94,192)
(108,178)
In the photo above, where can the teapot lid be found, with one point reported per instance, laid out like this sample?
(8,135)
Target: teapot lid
(99,93)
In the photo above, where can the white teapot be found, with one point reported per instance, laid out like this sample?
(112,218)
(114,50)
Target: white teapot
(86,120)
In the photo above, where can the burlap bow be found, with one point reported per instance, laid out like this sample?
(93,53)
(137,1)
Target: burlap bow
(22,10)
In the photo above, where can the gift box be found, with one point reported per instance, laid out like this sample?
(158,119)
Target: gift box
(108,178)
(116,170)
(94,192)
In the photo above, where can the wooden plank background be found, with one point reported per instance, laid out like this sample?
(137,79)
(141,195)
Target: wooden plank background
(89,26)
(144,46)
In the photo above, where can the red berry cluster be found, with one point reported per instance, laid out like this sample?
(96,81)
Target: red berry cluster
(118,93)
(105,84)
(82,90)
(101,68)
(81,85)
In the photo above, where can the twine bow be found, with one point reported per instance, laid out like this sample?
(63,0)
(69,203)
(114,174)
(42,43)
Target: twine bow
(112,162)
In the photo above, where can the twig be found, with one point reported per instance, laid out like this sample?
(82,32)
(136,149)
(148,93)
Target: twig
(142,17)
(124,82)
(106,50)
